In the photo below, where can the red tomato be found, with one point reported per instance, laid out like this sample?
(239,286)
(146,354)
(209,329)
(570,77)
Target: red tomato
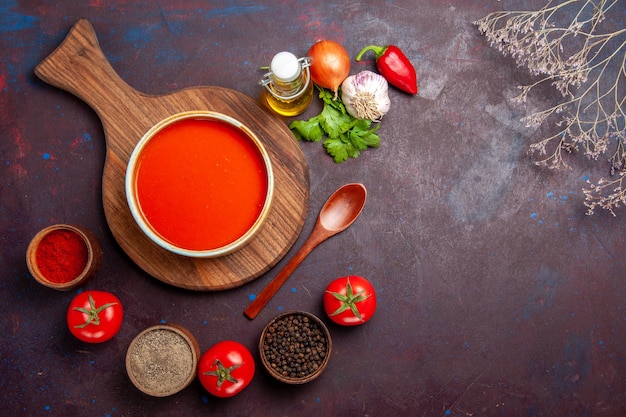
(95,316)
(226,368)
(350,300)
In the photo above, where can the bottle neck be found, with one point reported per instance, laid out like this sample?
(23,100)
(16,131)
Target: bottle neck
(287,89)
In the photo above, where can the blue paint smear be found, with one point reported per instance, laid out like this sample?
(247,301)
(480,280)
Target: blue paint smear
(45,156)
(251,297)
(136,34)
(534,215)
(543,293)
(174,23)
(170,55)
(177,28)
(141,35)
(234,11)
(13,22)
(293,289)
(575,364)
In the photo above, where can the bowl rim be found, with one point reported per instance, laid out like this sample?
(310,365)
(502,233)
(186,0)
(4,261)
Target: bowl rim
(310,377)
(94,253)
(148,230)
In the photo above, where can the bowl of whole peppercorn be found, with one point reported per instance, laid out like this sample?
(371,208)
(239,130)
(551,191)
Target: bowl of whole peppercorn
(295,347)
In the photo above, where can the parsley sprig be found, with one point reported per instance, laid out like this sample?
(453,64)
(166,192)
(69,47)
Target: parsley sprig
(344,135)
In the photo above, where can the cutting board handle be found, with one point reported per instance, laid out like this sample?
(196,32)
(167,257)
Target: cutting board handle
(79,66)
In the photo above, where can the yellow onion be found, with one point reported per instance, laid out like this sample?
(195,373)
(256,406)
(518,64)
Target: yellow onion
(330,64)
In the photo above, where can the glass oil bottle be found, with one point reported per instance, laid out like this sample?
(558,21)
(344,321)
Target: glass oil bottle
(288,89)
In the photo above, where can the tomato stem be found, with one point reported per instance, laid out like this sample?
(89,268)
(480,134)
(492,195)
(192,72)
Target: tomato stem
(93,313)
(223,373)
(349,300)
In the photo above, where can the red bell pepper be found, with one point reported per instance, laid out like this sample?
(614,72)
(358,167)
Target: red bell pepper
(394,66)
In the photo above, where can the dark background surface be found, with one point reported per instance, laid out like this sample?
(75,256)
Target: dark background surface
(498,295)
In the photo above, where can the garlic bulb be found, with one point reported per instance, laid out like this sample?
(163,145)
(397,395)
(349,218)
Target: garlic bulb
(366,95)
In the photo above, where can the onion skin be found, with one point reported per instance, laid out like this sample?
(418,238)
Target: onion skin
(330,64)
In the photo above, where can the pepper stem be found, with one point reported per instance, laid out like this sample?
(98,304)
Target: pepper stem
(378,50)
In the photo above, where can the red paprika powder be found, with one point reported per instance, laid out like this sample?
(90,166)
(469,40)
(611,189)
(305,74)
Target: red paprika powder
(61,256)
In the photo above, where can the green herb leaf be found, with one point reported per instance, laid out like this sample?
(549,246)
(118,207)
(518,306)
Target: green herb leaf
(309,130)
(329,99)
(362,137)
(337,149)
(334,122)
(345,135)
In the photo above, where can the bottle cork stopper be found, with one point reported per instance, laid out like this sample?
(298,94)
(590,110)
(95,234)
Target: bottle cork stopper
(285,67)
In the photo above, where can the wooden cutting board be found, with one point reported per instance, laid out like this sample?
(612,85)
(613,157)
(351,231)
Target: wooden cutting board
(79,66)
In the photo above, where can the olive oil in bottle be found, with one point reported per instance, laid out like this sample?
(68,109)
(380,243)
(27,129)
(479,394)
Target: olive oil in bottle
(288,89)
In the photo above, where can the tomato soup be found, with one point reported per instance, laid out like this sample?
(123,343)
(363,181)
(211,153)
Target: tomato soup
(201,183)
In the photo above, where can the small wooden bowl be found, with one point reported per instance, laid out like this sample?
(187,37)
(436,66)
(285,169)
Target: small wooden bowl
(42,245)
(307,351)
(162,360)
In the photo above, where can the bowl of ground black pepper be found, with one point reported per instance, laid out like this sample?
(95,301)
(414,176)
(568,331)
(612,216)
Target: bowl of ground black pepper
(295,347)
(162,360)
(63,256)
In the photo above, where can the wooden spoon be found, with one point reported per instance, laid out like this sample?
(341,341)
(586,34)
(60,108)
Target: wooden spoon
(340,211)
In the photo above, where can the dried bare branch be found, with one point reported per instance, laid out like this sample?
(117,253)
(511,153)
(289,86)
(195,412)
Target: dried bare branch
(563,45)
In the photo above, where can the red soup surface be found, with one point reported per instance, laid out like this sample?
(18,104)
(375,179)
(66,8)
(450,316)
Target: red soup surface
(201,183)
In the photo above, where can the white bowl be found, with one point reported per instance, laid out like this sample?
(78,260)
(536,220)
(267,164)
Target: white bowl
(200,187)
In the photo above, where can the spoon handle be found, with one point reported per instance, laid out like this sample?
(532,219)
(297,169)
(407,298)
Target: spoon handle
(274,285)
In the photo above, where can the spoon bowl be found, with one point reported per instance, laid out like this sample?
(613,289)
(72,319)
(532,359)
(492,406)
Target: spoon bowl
(340,210)
(343,207)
